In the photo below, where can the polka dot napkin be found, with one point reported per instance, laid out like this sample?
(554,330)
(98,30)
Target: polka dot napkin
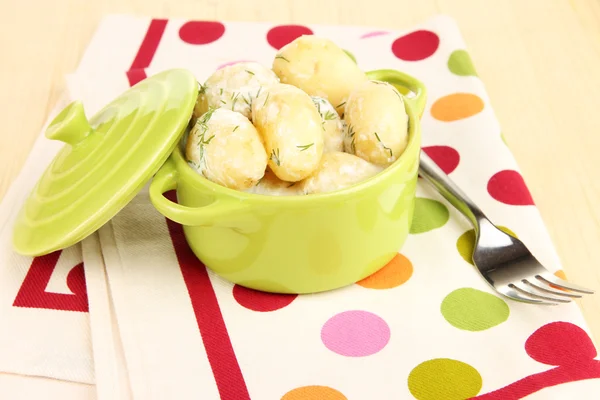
(426,326)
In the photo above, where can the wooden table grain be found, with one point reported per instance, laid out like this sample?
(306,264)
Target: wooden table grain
(539,60)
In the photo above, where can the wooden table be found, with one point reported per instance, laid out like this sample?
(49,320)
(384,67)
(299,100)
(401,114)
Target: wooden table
(539,60)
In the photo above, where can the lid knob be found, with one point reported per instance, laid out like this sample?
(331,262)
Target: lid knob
(70,126)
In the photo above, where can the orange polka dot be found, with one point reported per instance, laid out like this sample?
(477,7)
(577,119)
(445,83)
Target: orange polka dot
(559,274)
(456,106)
(314,393)
(395,273)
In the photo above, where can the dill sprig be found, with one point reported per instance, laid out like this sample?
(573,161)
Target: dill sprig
(248,100)
(351,133)
(221,91)
(384,146)
(279,56)
(292,184)
(267,99)
(202,124)
(250,72)
(275,156)
(305,146)
(223,101)
(235,129)
(234,98)
(329,116)
(343,103)
(258,92)
(201,88)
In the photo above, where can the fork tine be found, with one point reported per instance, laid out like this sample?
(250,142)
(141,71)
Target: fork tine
(519,287)
(538,286)
(551,279)
(513,294)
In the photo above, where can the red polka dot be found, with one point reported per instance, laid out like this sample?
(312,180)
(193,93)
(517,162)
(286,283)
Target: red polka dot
(560,343)
(416,45)
(201,32)
(281,35)
(445,157)
(508,187)
(261,301)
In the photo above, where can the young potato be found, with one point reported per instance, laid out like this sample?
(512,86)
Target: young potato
(226,148)
(333,129)
(234,87)
(320,68)
(290,126)
(338,170)
(271,185)
(377,123)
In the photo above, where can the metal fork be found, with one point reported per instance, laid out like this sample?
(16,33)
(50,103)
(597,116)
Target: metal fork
(502,259)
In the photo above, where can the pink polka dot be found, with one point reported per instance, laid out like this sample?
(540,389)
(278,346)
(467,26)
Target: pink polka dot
(232,63)
(281,35)
(261,301)
(355,333)
(508,187)
(445,157)
(416,45)
(201,32)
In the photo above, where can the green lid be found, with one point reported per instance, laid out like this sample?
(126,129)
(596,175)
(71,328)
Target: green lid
(106,161)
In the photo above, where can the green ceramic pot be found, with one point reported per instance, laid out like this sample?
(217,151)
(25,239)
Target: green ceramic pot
(298,244)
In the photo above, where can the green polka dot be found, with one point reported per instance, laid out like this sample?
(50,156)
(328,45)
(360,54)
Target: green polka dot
(444,378)
(460,63)
(473,310)
(466,243)
(429,214)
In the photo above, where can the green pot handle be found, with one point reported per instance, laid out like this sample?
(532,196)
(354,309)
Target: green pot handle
(209,215)
(401,79)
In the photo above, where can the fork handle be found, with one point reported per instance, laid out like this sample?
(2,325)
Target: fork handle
(430,171)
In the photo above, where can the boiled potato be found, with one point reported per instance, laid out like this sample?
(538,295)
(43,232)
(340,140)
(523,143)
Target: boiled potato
(271,185)
(234,87)
(320,68)
(227,149)
(377,123)
(333,129)
(290,126)
(338,170)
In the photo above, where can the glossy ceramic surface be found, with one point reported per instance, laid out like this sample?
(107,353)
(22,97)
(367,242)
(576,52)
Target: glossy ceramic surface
(105,161)
(298,244)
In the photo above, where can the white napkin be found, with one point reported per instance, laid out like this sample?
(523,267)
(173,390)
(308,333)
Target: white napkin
(418,329)
(44,322)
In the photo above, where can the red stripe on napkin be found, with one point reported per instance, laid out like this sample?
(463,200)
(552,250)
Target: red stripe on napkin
(146,51)
(213,330)
(32,293)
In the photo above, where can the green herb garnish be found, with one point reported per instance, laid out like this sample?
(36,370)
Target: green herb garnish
(281,57)
(305,146)
(221,91)
(250,72)
(235,129)
(341,104)
(223,101)
(329,116)
(265,103)
(201,89)
(275,157)
(384,146)
(234,100)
